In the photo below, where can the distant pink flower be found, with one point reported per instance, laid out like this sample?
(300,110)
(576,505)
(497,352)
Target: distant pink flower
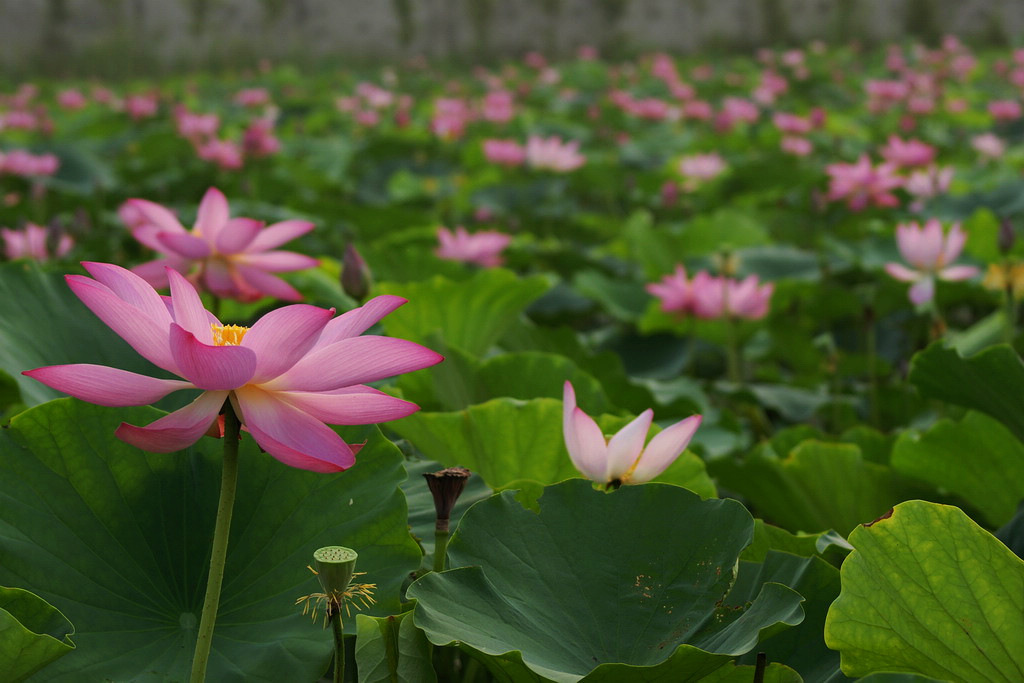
(928,182)
(535,60)
(286,376)
(24,163)
(735,110)
(862,184)
(230,257)
(140,106)
(624,459)
(30,243)
(375,96)
(504,152)
(553,155)
(698,109)
(907,154)
(929,252)
(792,124)
(988,145)
(587,53)
(717,297)
(196,127)
(699,168)
(499,106)
(259,140)
(674,292)
(252,97)
(225,153)
(451,115)
(1004,110)
(482,248)
(796,145)
(71,99)
(19,119)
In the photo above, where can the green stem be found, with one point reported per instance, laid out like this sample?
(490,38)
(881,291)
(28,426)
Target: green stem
(872,344)
(1011,314)
(732,351)
(339,645)
(440,545)
(228,482)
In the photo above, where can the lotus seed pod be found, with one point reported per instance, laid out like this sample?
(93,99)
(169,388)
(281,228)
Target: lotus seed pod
(335,565)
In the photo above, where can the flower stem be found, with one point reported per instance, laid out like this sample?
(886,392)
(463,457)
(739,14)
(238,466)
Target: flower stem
(1011,314)
(732,350)
(339,644)
(440,545)
(222,529)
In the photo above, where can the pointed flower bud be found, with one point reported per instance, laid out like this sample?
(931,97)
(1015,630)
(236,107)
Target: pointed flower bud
(356,278)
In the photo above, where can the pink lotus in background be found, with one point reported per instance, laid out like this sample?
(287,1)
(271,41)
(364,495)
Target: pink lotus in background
(504,152)
(674,292)
(988,146)
(30,243)
(929,251)
(286,376)
(23,163)
(259,140)
(71,100)
(717,297)
(792,124)
(230,257)
(498,106)
(796,145)
(482,248)
(196,127)
(862,184)
(552,154)
(927,183)
(909,153)
(225,153)
(140,106)
(252,97)
(1004,110)
(623,459)
(700,168)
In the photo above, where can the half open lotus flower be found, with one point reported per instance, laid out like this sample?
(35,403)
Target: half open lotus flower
(297,368)
(234,258)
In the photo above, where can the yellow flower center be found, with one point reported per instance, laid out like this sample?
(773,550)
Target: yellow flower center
(228,335)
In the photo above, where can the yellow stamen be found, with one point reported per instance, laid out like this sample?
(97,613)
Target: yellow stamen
(228,335)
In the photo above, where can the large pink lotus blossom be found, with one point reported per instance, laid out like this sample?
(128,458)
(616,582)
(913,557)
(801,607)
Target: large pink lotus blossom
(929,252)
(674,292)
(295,369)
(482,248)
(230,257)
(718,297)
(30,243)
(909,153)
(504,152)
(862,184)
(552,154)
(623,459)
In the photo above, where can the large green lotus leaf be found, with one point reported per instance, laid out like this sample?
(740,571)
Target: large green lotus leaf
(773,673)
(507,440)
(928,591)
(976,458)
(605,581)
(471,315)
(33,633)
(802,647)
(818,486)
(391,649)
(991,381)
(119,540)
(43,323)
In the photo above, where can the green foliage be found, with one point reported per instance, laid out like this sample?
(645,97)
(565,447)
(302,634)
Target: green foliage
(33,633)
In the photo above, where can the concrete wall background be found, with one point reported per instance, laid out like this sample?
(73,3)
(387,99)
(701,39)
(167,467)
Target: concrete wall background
(139,35)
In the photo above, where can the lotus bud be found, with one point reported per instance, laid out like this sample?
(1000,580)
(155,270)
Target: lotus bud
(356,278)
(1007,236)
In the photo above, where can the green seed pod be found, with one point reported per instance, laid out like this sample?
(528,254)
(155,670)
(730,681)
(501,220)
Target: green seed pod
(335,565)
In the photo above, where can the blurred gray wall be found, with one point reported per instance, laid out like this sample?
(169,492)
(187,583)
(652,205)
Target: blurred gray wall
(140,35)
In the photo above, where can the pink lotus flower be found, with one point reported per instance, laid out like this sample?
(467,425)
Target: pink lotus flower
(71,99)
(907,154)
(504,152)
(259,140)
(796,145)
(1004,110)
(792,124)
(225,153)
(700,168)
(674,291)
(928,182)
(623,459)
(230,257)
(23,163)
(140,106)
(196,127)
(30,243)
(862,184)
(988,146)
(717,297)
(285,376)
(553,155)
(252,97)
(929,252)
(482,248)
(498,106)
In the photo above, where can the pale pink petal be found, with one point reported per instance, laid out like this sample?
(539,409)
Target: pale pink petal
(358,320)
(954,273)
(188,307)
(155,272)
(106,386)
(278,261)
(237,234)
(267,284)
(185,244)
(212,215)
(131,288)
(955,241)
(901,272)
(349,408)
(157,215)
(583,438)
(277,234)
(141,332)
(923,291)
(283,336)
(176,431)
(664,448)
(149,235)
(213,368)
(292,436)
(218,279)
(625,447)
(356,360)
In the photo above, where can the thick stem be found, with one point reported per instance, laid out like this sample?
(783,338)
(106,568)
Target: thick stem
(440,544)
(228,482)
(339,644)
(733,367)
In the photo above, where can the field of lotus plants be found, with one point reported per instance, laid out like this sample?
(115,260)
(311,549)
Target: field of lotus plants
(660,369)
